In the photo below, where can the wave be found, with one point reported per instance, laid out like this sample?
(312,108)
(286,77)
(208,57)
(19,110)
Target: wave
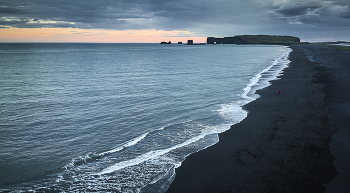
(141,164)
(147,156)
(126,144)
(279,64)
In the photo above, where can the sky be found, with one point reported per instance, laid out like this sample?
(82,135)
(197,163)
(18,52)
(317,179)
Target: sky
(151,21)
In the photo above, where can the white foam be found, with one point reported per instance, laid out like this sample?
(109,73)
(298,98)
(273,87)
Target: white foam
(232,111)
(283,59)
(124,145)
(88,175)
(147,156)
(90,155)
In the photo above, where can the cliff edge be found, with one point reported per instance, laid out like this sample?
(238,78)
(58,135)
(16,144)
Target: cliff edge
(255,39)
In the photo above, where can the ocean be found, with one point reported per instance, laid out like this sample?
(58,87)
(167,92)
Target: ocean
(120,117)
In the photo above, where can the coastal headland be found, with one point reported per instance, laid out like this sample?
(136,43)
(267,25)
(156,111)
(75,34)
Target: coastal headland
(295,140)
(255,39)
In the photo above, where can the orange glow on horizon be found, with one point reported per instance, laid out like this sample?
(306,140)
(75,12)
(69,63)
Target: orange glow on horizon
(94,36)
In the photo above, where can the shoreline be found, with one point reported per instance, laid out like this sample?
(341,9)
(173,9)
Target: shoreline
(284,143)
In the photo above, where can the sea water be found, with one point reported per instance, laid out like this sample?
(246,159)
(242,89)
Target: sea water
(120,117)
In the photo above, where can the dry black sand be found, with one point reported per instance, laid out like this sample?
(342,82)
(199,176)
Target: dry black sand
(294,141)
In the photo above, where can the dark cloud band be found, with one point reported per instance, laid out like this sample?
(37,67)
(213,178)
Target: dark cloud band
(196,15)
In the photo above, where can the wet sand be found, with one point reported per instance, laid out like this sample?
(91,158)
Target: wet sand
(293,141)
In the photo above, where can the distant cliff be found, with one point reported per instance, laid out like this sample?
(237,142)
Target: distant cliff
(255,39)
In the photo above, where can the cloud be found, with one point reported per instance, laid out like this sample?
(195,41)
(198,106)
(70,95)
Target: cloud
(87,33)
(79,33)
(313,13)
(206,17)
(79,14)
(345,15)
(298,9)
(123,14)
(180,34)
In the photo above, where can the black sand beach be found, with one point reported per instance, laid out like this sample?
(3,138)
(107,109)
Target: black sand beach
(294,141)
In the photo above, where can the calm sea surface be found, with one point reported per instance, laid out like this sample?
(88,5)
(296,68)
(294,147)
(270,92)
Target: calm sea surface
(119,117)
